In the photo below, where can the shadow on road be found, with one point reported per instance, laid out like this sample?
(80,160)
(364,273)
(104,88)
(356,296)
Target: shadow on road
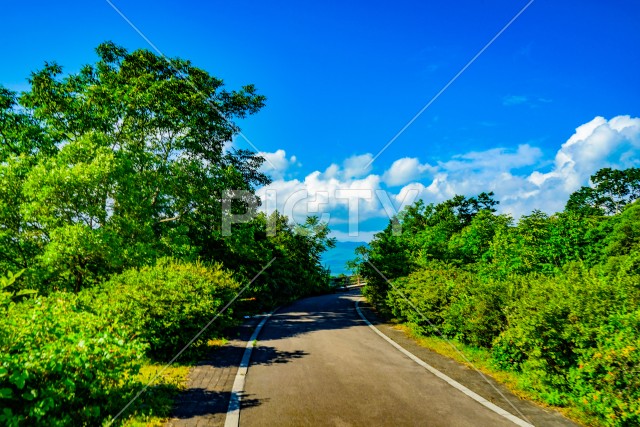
(313,314)
(207,396)
(199,402)
(264,355)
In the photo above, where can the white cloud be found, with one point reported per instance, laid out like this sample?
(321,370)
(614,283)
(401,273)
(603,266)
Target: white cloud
(324,192)
(357,166)
(595,145)
(517,177)
(276,163)
(498,159)
(405,170)
(410,191)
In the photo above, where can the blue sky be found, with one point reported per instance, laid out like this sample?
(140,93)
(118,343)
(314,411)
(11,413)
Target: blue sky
(342,78)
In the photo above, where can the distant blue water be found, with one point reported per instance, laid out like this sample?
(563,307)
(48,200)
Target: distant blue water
(337,257)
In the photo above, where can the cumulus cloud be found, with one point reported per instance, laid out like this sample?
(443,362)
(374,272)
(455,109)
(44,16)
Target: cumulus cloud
(405,170)
(340,195)
(276,163)
(357,166)
(597,144)
(321,193)
(521,178)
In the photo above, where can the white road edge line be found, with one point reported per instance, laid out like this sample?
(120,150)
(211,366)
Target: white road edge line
(233,411)
(453,383)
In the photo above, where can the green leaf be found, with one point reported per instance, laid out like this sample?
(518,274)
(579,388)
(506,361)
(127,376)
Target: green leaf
(19,379)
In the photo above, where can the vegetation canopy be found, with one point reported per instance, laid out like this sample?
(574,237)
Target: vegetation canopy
(111,186)
(553,298)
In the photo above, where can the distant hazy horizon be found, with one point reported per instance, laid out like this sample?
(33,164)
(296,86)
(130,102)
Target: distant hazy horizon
(337,257)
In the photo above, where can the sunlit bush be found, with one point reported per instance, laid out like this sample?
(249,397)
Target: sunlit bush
(606,381)
(60,365)
(166,305)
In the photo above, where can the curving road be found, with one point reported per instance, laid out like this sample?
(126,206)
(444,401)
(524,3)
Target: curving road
(317,363)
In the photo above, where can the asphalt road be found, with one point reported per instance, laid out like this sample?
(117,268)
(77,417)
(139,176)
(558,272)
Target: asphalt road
(316,363)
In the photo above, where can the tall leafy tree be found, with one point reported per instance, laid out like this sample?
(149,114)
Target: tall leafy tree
(120,163)
(23,141)
(611,191)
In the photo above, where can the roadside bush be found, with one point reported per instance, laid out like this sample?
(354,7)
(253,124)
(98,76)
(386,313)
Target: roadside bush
(166,305)
(456,301)
(555,321)
(606,381)
(60,365)
(428,290)
(475,314)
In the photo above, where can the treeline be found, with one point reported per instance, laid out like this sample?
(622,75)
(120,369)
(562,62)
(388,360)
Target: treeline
(112,245)
(553,298)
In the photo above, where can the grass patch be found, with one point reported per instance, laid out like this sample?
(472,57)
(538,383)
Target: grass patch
(215,343)
(481,360)
(155,405)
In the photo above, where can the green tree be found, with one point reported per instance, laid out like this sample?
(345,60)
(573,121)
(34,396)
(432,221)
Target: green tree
(612,190)
(119,164)
(472,243)
(624,236)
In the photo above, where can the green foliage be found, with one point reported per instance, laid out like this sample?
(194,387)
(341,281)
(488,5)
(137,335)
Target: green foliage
(606,380)
(624,235)
(127,165)
(20,240)
(429,291)
(166,305)
(8,297)
(553,298)
(555,322)
(386,259)
(447,301)
(476,315)
(472,243)
(20,133)
(61,365)
(612,190)
(111,187)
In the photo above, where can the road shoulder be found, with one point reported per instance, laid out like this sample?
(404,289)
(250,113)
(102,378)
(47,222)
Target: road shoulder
(468,377)
(206,398)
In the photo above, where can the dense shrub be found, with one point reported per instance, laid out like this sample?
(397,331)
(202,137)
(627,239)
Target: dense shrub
(567,334)
(422,297)
(168,304)
(60,365)
(475,315)
(556,320)
(554,297)
(606,381)
(455,301)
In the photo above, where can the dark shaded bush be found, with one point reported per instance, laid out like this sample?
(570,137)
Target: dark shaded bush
(455,301)
(422,297)
(476,313)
